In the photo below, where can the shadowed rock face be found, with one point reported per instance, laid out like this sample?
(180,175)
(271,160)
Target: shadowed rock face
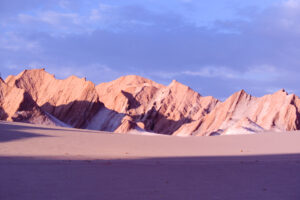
(176,103)
(50,94)
(278,112)
(133,103)
(154,107)
(17,105)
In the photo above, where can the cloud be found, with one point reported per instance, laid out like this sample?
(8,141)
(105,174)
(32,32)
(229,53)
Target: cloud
(103,41)
(261,73)
(292,4)
(12,42)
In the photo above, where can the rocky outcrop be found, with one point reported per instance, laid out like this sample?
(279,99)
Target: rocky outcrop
(278,112)
(243,126)
(174,106)
(151,106)
(128,94)
(124,100)
(73,100)
(17,105)
(136,104)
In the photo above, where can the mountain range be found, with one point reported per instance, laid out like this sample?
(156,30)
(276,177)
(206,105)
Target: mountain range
(133,104)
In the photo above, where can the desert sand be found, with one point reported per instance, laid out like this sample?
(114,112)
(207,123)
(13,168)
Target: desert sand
(42,162)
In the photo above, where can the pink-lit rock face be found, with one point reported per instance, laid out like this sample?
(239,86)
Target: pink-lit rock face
(278,112)
(151,106)
(174,106)
(17,105)
(73,100)
(133,103)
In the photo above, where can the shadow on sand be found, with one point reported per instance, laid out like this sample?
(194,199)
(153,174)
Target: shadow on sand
(3,114)
(252,177)
(11,131)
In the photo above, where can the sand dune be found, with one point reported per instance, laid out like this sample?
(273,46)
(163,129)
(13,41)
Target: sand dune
(40,162)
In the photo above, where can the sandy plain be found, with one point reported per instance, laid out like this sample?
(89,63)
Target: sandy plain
(39,162)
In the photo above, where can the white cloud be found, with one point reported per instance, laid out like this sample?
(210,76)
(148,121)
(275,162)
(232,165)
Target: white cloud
(68,41)
(165,75)
(254,73)
(64,3)
(211,71)
(59,22)
(52,18)
(13,42)
(98,73)
(271,90)
(292,4)
(95,15)
(57,19)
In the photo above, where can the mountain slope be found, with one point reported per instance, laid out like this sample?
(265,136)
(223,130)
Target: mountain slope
(278,111)
(17,105)
(73,100)
(133,102)
(174,106)
(136,104)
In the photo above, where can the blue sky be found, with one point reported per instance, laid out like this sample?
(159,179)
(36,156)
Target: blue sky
(216,47)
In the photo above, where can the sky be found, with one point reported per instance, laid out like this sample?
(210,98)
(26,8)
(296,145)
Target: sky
(216,47)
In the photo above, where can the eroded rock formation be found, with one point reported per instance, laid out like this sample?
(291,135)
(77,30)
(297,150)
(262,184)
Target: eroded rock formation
(17,105)
(277,112)
(133,103)
(73,100)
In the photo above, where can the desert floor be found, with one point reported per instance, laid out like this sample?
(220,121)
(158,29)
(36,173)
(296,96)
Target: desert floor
(38,162)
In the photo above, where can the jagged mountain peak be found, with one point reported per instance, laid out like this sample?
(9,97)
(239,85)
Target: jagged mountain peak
(175,85)
(72,100)
(239,94)
(278,111)
(130,80)
(134,102)
(38,74)
(17,105)
(281,92)
(31,73)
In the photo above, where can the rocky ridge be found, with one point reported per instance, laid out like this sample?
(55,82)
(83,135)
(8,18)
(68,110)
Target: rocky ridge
(73,100)
(17,105)
(136,104)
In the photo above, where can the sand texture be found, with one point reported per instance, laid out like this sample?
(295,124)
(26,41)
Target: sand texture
(42,162)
